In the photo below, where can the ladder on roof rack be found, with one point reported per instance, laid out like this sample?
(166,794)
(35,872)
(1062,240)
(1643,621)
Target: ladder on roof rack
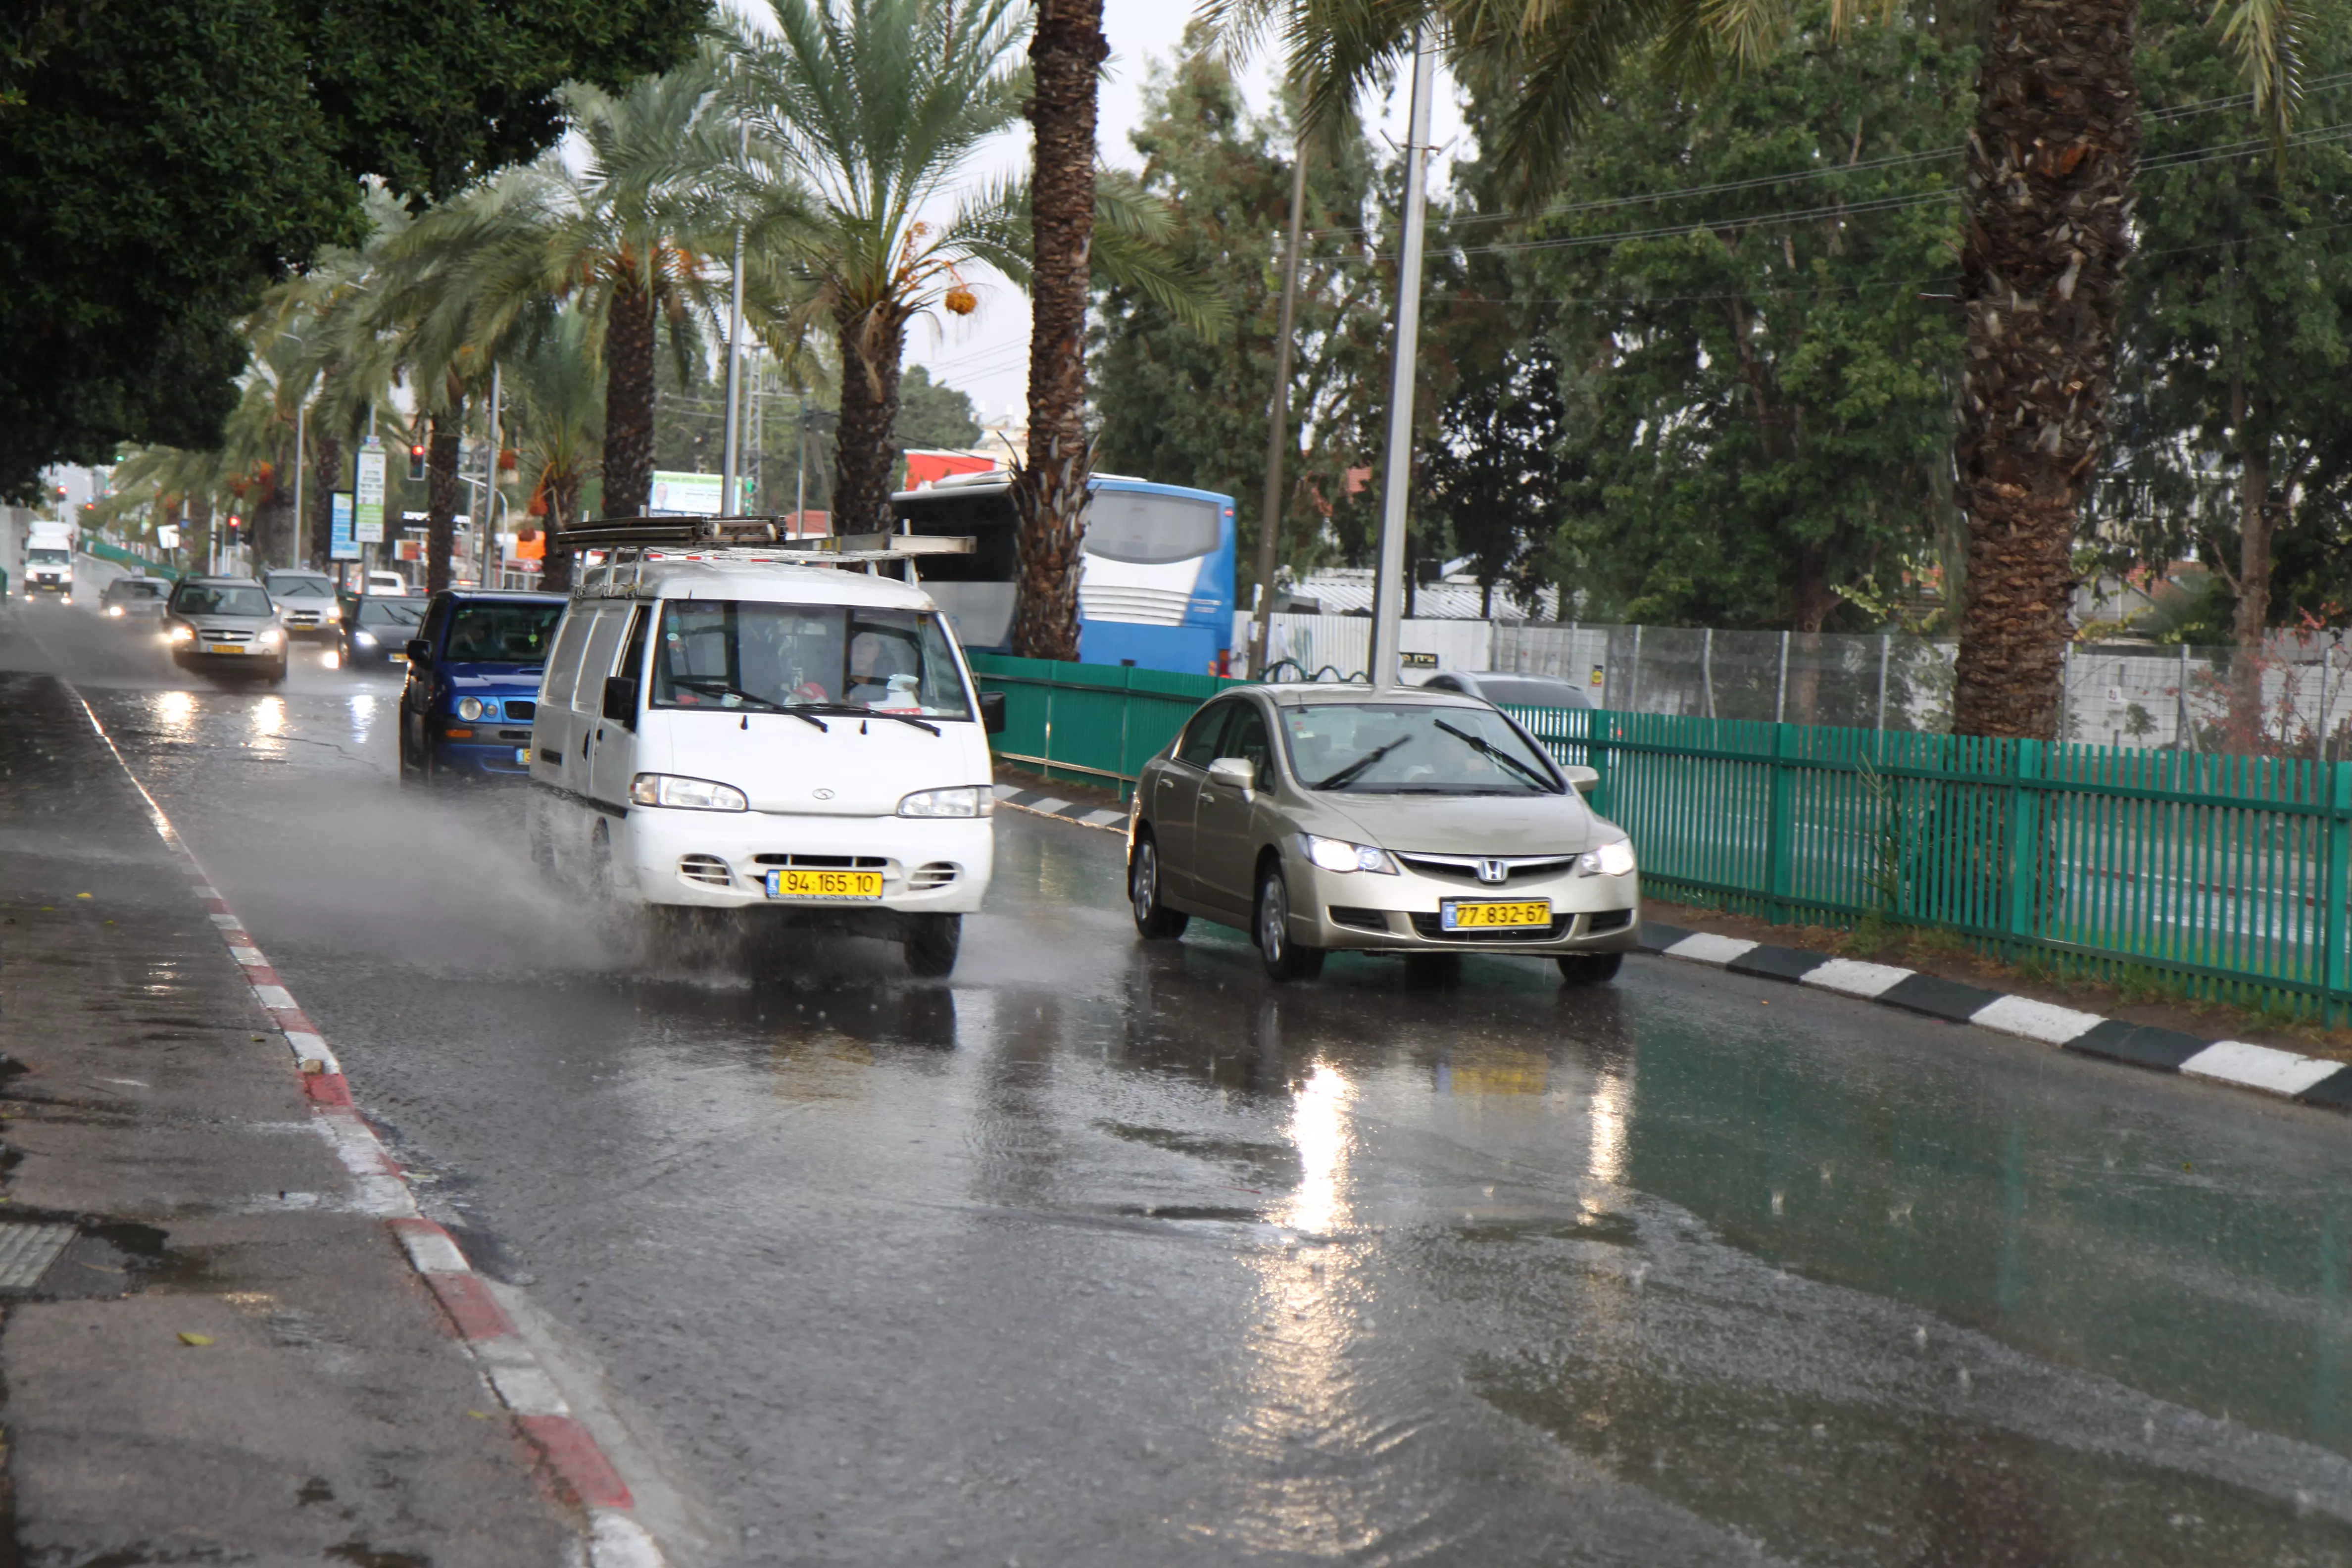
(628,542)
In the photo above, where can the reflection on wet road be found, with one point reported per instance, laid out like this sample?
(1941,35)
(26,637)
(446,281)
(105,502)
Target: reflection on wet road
(1112,1253)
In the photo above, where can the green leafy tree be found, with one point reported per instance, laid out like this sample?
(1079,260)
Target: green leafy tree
(1761,402)
(162,164)
(933,415)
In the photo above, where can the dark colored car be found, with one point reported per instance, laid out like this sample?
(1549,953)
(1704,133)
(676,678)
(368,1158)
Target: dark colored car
(376,629)
(1509,690)
(127,597)
(474,667)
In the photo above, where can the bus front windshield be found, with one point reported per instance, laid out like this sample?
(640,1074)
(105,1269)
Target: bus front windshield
(736,654)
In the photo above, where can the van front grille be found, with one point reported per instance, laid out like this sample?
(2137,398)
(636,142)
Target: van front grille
(938,874)
(708,869)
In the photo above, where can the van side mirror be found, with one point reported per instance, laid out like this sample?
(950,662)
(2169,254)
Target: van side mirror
(992,712)
(419,651)
(1234,773)
(621,699)
(1584,781)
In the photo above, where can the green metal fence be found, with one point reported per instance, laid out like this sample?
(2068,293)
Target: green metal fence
(2221,876)
(92,545)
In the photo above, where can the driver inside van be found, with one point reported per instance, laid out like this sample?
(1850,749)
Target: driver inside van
(881,668)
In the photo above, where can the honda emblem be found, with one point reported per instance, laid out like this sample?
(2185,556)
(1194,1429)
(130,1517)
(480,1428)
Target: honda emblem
(1493,871)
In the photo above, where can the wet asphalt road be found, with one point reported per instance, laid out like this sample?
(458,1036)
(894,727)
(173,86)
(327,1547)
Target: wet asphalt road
(1108,1254)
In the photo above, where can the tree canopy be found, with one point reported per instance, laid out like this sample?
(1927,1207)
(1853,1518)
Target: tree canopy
(162,164)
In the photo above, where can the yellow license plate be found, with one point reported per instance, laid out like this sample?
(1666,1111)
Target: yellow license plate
(1520,913)
(223,648)
(825,884)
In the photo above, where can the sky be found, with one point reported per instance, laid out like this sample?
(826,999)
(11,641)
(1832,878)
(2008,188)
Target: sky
(986,354)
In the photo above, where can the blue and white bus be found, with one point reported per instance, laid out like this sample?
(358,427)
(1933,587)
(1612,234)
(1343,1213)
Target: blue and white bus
(1156,582)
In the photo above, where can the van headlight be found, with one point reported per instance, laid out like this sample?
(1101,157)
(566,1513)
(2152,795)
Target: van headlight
(470,707)
(1615,859)
(964,800)
(1338,855)
(686,795)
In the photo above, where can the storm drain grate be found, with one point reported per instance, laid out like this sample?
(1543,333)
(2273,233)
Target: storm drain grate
(27,1251)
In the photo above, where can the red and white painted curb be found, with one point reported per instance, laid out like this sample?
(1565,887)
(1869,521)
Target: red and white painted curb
(615,1539)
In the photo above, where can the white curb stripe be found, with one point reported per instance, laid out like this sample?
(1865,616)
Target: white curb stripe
(617,1541)
(2044,1021)
(525,1390)
(276,997)
(1709,948)
(2259,1067)
(1852,977)
(249,956)
(433,1253)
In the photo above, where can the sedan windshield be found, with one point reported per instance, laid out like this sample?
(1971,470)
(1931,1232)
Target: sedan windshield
(502,634)
(747,654)
(1394,747)
(217,599)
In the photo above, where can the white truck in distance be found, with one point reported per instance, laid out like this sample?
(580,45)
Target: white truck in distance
(729,726)
(49,560)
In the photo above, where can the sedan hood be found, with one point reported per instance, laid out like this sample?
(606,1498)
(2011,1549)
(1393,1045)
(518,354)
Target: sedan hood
(1468,823)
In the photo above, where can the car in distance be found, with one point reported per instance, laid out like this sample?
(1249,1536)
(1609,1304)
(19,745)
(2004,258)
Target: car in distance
(472,692)
(1505,691)
(390,584)
(376,628)
(128,598)
(1326,818)
(227,625)
(306,600)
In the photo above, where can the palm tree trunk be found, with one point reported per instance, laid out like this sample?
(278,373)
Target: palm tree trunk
(322,501)
(629,399)
(1050,491)
(441,487)
(2049,167)
(563,513)
(865,450)
(196,534)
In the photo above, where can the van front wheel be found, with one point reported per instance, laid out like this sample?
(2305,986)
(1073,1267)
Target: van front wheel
(931,945)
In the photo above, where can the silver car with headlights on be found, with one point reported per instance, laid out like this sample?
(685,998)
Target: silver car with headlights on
(227,625)
(1325,818)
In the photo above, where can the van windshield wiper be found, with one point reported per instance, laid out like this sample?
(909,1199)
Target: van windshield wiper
(1354,770)
(852,710)
(1489,749)
(717,686)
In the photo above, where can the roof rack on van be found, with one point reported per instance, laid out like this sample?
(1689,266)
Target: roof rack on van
(632,541)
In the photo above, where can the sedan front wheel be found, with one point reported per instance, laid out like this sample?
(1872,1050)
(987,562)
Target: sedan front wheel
(1285,959)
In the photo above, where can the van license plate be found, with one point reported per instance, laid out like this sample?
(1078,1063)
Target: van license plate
(825,884)
(1453,915)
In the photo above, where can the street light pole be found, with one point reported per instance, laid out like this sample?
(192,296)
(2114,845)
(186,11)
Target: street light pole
(301,414)
(484,532)
(1269,517)
(1388,598)
(730,500)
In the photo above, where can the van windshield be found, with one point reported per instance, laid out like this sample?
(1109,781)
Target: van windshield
(748,654)
(42,557)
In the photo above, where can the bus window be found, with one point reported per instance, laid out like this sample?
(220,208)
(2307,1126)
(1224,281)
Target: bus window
(1148,530)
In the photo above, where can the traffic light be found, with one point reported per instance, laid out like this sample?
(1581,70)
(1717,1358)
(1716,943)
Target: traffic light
(415,461)
(235,524)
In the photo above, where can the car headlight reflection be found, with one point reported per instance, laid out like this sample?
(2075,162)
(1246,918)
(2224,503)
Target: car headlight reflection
(1338,855)
(1613,859)
(686,795)
(965,800)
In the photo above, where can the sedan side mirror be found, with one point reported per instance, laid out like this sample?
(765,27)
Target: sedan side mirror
(419,651)
(1235,773)
(992,712)
(621,699)
(1584,780)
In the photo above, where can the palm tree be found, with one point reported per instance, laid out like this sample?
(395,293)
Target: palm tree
(558,416)
(866,111)
(2046,195)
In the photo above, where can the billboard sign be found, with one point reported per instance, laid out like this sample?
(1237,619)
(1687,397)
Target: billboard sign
(343,540)
(694,495)
(367,513)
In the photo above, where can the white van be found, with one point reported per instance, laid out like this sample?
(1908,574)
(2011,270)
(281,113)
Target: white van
(723,729)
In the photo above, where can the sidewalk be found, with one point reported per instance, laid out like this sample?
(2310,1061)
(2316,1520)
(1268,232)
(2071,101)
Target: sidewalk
(227,1358)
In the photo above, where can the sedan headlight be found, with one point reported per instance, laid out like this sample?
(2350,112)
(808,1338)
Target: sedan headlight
(686,795)
(964,800)
(1338,855)
(1615,859)
(113,609)
(362,639)
(180,633)
(469,708)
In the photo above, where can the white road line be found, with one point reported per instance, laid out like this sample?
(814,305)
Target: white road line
(2044,1021)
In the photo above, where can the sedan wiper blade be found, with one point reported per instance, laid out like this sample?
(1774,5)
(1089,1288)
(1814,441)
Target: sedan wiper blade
(1349,773)
(1489,749)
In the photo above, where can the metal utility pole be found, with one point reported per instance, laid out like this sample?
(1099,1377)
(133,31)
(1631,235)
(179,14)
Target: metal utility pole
(800,474)
(729,499)
(301,416)
(1269,517)
(1388,598)
(483,534)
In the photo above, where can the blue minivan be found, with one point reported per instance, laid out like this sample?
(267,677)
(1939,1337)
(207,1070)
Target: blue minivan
(473,684)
